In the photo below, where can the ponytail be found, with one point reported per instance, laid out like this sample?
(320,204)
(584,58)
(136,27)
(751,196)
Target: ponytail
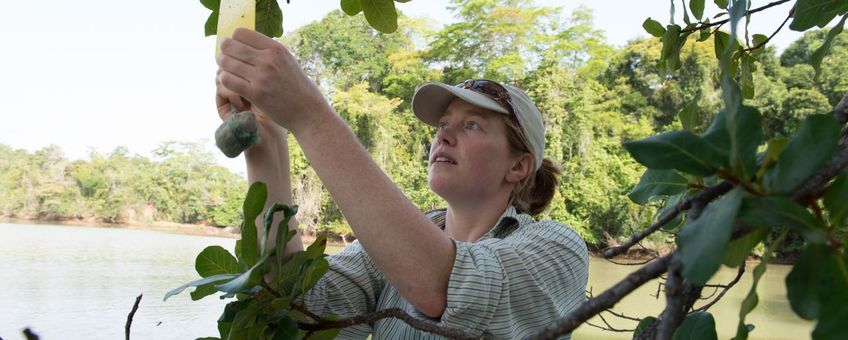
(533,194)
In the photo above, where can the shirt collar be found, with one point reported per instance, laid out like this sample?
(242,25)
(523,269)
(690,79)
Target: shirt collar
(506,224)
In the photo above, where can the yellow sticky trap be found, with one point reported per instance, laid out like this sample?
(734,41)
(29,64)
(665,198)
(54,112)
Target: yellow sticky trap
(234,14)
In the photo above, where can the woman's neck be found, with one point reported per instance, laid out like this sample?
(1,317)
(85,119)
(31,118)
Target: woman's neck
(470,221)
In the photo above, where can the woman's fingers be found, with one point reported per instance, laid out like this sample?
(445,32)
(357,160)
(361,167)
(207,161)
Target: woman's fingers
(239,50)
(253,39)
(234,83)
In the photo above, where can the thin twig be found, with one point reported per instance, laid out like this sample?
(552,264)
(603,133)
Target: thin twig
(606,300)
(707,195)
(130,316)
(762,43)
(720,22)
(739,273)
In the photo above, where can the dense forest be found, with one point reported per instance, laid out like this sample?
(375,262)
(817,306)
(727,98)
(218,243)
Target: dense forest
(593,96)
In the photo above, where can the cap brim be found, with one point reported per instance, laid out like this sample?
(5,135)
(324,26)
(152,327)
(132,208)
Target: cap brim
(430,101)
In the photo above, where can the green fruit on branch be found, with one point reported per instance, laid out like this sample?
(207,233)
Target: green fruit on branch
(237,133)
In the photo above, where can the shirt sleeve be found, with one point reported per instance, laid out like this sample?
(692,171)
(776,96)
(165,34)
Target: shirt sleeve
(350,287)
(514,286)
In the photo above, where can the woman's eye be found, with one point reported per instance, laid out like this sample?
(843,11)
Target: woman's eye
(442,125)
(472,125)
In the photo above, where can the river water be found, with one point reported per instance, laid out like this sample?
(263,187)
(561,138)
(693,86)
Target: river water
(81,282)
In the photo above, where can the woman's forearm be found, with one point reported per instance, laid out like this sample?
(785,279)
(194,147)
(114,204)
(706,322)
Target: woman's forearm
(409,249)
(268,162)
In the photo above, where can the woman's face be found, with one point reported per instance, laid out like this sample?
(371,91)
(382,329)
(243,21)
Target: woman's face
(470,156)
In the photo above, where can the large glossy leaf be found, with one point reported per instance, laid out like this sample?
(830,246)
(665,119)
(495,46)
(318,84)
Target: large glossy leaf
(820,52)
(381,14)
(316,269)
(739,249)
(808,277)
(657,183)
(836,200)
(214,260)
(702,243)
(269,18)
(246,280)
(809,13)
(780,211)
(696,326)
(680,150)
(211,26)
(669,206)
(672,44)
(749,136)
(653,27)
(697,7)
(203,281)
(253,204)
(834,298)
(808,151)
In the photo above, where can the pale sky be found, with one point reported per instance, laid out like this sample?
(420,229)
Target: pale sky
(100,74)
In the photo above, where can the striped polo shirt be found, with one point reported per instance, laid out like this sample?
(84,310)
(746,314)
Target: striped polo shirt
(517,278)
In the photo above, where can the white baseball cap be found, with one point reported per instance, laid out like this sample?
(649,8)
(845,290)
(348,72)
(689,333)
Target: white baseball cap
(430,101)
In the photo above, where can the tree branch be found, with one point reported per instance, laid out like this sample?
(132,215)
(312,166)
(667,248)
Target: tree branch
(705,196)
(833,168)
(396,313)
(841,110)
(606,300)
(675,309)
(721,22)
(131,315)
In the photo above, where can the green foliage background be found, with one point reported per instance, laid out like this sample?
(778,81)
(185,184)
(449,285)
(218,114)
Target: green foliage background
(594,96)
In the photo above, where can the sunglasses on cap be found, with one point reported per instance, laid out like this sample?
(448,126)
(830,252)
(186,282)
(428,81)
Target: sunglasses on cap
(492,90)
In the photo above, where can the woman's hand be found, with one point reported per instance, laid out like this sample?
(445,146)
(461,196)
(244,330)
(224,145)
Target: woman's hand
(261,70)
(227,100)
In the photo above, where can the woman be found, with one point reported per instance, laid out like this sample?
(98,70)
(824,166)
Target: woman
(483,264)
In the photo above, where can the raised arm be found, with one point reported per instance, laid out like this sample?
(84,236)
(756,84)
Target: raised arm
(413,254)
(267,161)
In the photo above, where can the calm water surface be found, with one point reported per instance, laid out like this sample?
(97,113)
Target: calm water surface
(80,283)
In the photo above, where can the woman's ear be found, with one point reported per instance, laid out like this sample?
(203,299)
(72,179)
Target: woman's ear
(520,169)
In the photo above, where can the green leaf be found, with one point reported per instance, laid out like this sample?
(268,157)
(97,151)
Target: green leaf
(216,260)
(203,291)
(680,150)
(657,183)
(246,317)
(721,3)
(749,135)
(213,5)
(696,326)
(834,298)
(836,200)
(269,18)
(704,34)
(211,26)
(808,151)
(316,249)
(751,300)
(246,280)
(672,44)
(808,277)
(702,242)
(653,27)
(381,14)
(316,269)
(818,55)
(690,116)
(746,79)
(780,211)
(774,148)
(670,204)
(643,325)
(351,7)
(203,281)
(720,42)
(809,13)
(697,7)
(758,41)
(739,249)
(253,204)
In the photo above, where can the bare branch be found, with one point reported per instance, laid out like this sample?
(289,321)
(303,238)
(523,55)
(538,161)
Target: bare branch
(396,313)
(674,311)
(606,300)
(721,22)
(705,196)
(131,315)
(739,273)
(841,110)
(833,168)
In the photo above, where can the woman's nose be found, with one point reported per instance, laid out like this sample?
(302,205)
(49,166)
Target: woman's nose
(445,135)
